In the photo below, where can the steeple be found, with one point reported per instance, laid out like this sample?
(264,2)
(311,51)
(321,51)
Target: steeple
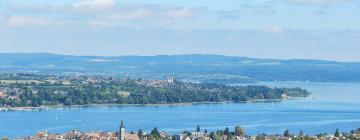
(122,131)
(122,124)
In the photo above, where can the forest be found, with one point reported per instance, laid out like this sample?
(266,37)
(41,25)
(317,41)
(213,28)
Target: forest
(22,90)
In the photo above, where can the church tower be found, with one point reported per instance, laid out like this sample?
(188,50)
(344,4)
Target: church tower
(122,131)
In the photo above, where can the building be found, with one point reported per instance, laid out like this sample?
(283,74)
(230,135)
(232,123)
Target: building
(126,136)
(2,94)
(182,137)
(122,131)
(197,133)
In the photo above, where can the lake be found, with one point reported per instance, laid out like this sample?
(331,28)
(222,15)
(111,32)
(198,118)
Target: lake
(332,105)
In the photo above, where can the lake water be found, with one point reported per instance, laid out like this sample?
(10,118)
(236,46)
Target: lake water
(332,105)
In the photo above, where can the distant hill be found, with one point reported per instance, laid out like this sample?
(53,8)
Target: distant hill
(183,66)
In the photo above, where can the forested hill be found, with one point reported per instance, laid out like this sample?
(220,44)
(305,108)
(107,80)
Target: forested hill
(35,90)
(200,68)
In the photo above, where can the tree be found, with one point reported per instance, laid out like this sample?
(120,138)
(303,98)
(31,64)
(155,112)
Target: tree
(188,133)
(4,138)
(155,132)
(337,133)
(141,134)
(260,137)
(239,131)
(229,137)
(198,128)
(227,131)
(301,133)
(212,135)
(286,133)
(215,136)
(320,135)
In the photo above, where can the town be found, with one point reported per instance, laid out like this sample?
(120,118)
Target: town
(237,133)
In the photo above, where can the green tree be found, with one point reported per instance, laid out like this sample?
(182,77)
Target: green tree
(337,133)
(239,131)
(212,135)
(141,134)
(286,133)
(227,131)
(198,128)
(155,132)
(228,137)
(4,138)
(301,133)
(215,136)
(187,133)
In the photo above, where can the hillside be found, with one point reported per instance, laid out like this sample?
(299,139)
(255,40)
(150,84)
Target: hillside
(198,68)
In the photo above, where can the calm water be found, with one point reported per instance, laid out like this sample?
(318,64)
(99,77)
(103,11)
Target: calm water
(332,105)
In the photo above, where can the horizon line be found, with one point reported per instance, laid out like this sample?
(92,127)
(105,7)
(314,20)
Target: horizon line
(185,54)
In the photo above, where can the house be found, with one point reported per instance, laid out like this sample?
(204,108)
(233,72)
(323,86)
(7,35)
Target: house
(163,134)
(2,94)
(200,138)
(357,136)
(108,136)
(181,137)
(240,138)
(131,137)
(74,134)
(95,136)
(42,135)
(197,133)
(12,97)
(54,137)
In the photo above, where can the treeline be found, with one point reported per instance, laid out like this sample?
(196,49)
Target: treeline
(126,91)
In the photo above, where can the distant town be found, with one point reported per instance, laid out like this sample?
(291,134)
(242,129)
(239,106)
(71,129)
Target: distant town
(236,133)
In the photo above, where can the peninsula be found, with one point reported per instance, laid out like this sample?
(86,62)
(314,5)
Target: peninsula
(31,90)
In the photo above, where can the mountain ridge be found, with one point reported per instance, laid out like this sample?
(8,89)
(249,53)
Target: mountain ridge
(177,55)
(174,65)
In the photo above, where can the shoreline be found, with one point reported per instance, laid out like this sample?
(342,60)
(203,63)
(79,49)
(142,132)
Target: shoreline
(41,108)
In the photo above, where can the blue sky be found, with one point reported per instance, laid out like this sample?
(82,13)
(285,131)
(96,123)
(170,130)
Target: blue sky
(286,29)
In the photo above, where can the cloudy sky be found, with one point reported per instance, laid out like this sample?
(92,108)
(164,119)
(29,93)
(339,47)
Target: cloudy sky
(286,29)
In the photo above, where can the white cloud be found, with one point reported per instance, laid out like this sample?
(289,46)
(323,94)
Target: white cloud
(179,13)
(134,15)
(27,21)
(141,11)
(318,2)
(90,12)
(261,9)
(228,15)
(319,12)
(264,10)
(274,29)
(97,23)
(95,4)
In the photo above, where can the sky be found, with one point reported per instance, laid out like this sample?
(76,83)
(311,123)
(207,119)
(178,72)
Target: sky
(282,29)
